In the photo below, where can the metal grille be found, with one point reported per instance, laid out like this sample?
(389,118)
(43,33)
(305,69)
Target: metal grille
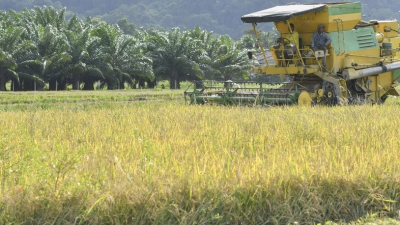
(365,40)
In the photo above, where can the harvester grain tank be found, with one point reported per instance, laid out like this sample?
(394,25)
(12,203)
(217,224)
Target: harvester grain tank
(362,61)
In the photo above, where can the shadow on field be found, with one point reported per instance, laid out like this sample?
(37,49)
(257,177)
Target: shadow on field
(290,202)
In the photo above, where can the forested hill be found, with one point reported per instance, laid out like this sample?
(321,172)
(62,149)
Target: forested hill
(220,16)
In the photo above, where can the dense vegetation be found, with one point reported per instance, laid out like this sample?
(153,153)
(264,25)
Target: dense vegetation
(117,162)
(40,49)
(220,16)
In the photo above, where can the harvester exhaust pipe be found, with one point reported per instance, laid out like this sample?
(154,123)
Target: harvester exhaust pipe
(351,74)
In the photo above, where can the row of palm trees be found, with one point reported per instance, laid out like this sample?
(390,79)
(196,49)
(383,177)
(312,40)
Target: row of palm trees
(40,49)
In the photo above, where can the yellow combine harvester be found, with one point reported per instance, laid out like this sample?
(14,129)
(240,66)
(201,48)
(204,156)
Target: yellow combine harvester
(362,60)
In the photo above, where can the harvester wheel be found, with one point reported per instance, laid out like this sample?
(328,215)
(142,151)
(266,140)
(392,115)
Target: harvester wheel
(305,99)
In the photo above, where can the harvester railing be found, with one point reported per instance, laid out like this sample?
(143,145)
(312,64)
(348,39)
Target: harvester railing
(299,58)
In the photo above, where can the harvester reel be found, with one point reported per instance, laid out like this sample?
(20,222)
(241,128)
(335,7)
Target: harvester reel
(305,99)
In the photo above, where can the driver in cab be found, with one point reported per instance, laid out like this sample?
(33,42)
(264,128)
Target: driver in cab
(292,36)
(287,44)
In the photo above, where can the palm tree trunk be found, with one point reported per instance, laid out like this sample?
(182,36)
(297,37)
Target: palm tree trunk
(2,82)
(88,86)
(227,77)
(135,84)
(39,87)
(142,83)
(62,85)
(151,84)
(75,84)
(174,81)
(110,86)
(53,85)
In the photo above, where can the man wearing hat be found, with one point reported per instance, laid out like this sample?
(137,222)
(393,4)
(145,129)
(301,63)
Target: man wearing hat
(320,41)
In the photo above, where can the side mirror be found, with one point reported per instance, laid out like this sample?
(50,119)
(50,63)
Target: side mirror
(250,54)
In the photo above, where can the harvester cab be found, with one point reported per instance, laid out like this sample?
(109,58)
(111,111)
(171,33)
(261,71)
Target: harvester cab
(360,62)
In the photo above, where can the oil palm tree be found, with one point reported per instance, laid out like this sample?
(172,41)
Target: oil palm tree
(45,62)
(82,67)
(176,56)
(142,66)
(48,15)
(123,56)
(228,61)
(13,49)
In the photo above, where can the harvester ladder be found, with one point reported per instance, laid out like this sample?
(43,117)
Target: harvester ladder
(260,43)
(341,40)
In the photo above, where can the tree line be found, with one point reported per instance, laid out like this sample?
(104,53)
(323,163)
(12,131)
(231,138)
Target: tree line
(40,49)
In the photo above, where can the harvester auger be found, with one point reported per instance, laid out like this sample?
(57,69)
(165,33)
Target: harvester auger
(362,60)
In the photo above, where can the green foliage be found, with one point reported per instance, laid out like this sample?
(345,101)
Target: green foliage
(174,56)
(12,47)
(228,61)
(197,54)
(40,47)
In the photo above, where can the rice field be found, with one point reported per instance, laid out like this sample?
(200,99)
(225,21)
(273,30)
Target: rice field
(84,158)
